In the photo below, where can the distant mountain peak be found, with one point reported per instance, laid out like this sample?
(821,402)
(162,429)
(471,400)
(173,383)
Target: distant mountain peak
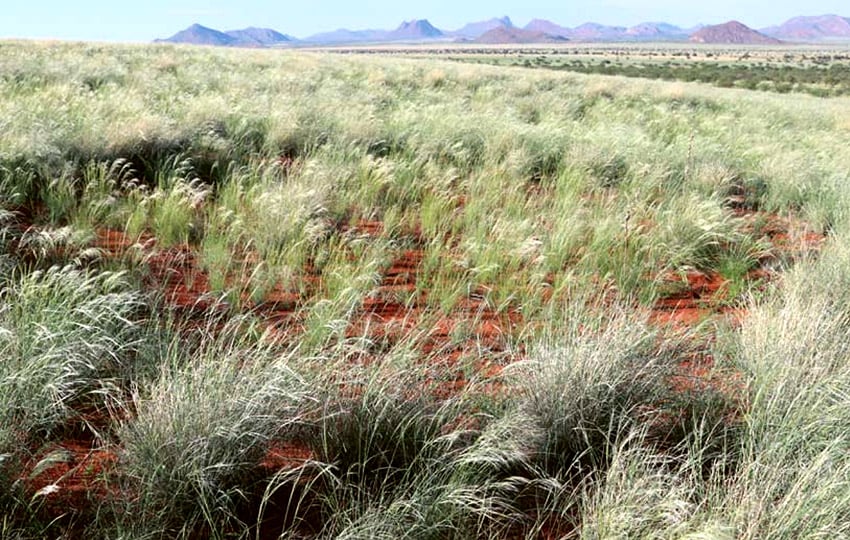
(651,29)
(415,29)
(592,31)
(803,28)
(476,29)
(732,32)
(198,34)
(547,27)
(417,24)
(261,37)
(504,34)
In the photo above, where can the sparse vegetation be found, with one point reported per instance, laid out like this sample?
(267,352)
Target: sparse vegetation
(266,294)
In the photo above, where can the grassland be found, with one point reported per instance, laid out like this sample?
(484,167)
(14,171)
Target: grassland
(265,294)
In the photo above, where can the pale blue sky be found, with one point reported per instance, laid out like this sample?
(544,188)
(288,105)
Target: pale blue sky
(145,20)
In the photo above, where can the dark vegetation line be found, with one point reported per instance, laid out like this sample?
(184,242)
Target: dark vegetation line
(830,81)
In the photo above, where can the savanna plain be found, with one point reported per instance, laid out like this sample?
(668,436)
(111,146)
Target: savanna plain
(276,294)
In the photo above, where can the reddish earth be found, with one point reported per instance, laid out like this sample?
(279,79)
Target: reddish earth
(288,455)
(396,310)
(704,296)
(70,477)
(393,312)
(696,302)
(787,235)
(175,271)
(472,338)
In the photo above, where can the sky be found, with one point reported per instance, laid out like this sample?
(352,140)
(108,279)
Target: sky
(145,20)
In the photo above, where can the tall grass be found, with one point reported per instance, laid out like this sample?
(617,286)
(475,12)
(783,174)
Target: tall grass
(68,339)
(203,425)
(67,336)
(794,351)
(559,201)
(583,387)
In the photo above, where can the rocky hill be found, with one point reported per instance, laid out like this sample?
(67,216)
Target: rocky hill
(474,30)
(732,32)
(201,35)
(518,35)
(503,30)
(260,37)
(414,31)
(597,32)
(547,27)
(655,30)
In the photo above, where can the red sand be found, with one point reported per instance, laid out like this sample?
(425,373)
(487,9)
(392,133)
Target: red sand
(702,297)
(396,309)
(287,455)
(391,313)
(74,479)
(698,301)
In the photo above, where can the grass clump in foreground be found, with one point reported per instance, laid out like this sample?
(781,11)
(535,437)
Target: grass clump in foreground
(201,427)
(68,341)
(296,295)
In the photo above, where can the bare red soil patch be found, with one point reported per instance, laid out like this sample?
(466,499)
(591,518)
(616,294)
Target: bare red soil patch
(177,273)
(703,295)
(286,455)
(696,302)
(69,476)
(790,236)
(395,311)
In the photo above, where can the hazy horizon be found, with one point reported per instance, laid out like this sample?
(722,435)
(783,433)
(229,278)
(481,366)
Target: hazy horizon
(100,20)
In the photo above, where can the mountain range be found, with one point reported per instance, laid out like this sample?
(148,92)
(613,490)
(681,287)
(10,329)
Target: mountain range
(823,27)
(247,37)
(503,30)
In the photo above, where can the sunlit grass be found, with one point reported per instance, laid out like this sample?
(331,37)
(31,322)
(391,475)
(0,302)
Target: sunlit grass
(561,205)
